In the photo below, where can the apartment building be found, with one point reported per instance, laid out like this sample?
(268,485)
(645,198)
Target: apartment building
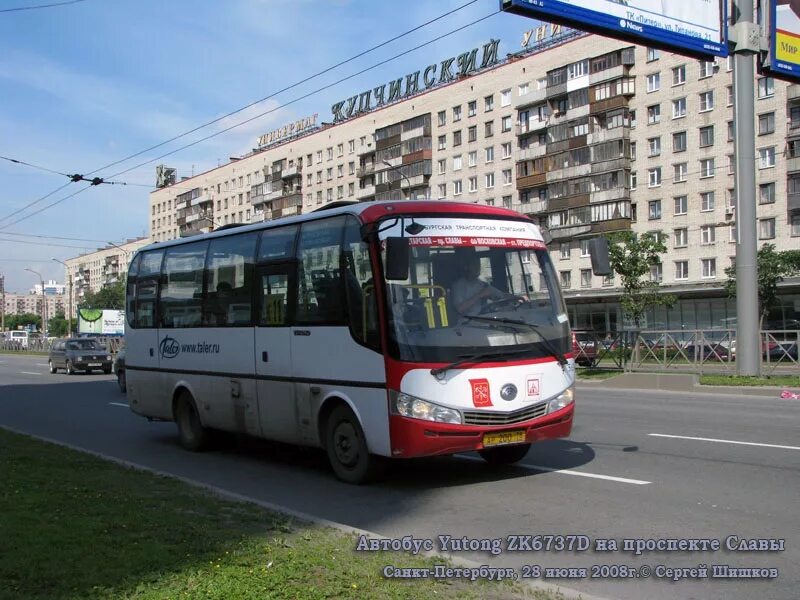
(585,134)
(91,271)
(20,304)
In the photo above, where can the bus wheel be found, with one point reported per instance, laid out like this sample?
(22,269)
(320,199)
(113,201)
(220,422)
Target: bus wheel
(347,448)
(504,455)
(192,434)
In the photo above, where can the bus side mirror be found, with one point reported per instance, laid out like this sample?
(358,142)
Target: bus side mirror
(398,252)
(598,250)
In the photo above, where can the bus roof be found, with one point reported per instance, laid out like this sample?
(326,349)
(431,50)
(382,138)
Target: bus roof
(367,212)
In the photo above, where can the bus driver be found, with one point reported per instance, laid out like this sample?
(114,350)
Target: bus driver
(470,292)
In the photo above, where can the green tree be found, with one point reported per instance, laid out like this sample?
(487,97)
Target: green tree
(631,257)
(17,321)
(108,297)
(57,326)
(772,268)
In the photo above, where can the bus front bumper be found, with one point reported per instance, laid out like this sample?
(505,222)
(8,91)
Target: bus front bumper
(411,438)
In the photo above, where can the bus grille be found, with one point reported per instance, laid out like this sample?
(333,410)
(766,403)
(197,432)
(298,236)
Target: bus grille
(509,418)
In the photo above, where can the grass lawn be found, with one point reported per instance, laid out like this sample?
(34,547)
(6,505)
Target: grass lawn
(73,526)
(775,380)
(596,374)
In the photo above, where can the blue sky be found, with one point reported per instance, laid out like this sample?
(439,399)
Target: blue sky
(87,84)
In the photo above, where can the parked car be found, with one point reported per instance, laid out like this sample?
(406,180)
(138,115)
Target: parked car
(706,352)
(584,347)
(784,352)
(119,369)
(78,354)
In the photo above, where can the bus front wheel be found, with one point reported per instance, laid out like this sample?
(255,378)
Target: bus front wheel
(193,435)
(504,455)
(347,448)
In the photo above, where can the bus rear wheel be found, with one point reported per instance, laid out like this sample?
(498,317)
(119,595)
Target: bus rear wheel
(504,455)
(193,435)
(347,448)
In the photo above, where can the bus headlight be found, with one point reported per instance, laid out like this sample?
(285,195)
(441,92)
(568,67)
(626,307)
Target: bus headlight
(416,408)
(563,400)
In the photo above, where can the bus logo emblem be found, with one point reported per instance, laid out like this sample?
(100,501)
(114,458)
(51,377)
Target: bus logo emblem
(480,393)
(169,348)
(534,388)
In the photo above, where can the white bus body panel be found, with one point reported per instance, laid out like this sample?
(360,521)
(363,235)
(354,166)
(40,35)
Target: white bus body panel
(276,400)
(145,388)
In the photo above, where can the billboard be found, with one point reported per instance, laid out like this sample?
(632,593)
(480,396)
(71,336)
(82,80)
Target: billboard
(687,26)
(784,37)
(93,321)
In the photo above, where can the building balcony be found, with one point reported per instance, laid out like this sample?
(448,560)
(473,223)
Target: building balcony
(608,135)
(793,202)
(367,169)
(532,152)
(420,131)
(366,149)
(530,126)
(201,200)
(285,212)
(793,164)
(532,98)
(529,181)
(601,106)
(533,207)
(362,193)
(793,92)
(612,225)
(292,171)
(198,216)
(569,232)
(617,72)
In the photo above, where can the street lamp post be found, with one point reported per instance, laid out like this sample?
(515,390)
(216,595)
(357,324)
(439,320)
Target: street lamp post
(44,302)
(69,312)
(391,166)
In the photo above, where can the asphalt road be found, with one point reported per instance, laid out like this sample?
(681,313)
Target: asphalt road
(638,465)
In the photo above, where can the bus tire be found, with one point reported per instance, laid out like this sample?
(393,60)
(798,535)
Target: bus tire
(193,436)
(504,455)
(347,448)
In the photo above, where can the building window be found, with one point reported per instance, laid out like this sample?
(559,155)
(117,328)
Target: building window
(442,142)
(794,117)
(709,267)
(472,158)
(522,89)
(633,150)
(457,138)
(766,123)
(340,171)
(706,68)
(490,154)
(457,163)
(329,173)
(679,108)
(657,273)
(653,82)
(681,205)
(654,114)
(731,164)
(681,270)
(654,146)
(472,134)
(457,187)
(653,54)
(566,279)
(489,180)
(731,131)
(681,237)
(766,157)
(633,180)
(679,75)
(472,108)
(442,190)
(766,87)
(488,103)
(505,98)
(505,124)
(679,141)
(473,184)
(442,118)
(766,229)
(795,225)
(793,148)
(766,193)
(488,129)
(586,278)
(565,250)
(707,201)
(351,189)
(654,177)
(585,248)
(505,150)
(507,178)
(707,167)
(708,235)
(706,136)
(680,172)
(706,101)
(340,150)
(456,113)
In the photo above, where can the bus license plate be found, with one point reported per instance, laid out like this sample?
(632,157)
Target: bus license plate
(504,437)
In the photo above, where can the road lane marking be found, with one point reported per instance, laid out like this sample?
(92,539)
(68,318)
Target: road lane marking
(119,404)
(30,373)
(701,439)
(42,364)
(570,472)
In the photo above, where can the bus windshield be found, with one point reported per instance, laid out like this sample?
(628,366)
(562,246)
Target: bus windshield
(475,287)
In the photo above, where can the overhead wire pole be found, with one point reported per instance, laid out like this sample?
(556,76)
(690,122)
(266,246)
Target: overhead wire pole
(746,37)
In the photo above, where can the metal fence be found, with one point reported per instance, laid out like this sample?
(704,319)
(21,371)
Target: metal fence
(704,351)
(110,344)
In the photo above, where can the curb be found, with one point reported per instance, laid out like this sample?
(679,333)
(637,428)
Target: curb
(676,382)
(300,516)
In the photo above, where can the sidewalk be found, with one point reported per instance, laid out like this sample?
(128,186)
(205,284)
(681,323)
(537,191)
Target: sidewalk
(674,382)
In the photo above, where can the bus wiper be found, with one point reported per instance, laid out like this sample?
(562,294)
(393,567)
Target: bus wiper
(465,358)
(547,343)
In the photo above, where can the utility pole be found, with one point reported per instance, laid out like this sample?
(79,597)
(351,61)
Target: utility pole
(69,310)
(747,38)
(3,305)
(44,304)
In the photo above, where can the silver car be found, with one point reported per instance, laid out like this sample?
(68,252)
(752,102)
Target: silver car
(79,354)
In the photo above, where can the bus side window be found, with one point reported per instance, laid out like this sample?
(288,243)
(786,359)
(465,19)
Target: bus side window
(230,276)
(147,289)
(360,291)
(320,299)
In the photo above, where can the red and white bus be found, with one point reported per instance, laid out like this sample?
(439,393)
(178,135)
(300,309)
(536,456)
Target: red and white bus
(373,330)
